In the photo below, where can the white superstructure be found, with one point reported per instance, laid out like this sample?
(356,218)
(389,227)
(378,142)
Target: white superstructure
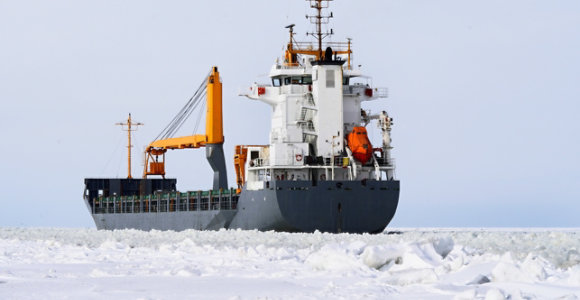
(316,99)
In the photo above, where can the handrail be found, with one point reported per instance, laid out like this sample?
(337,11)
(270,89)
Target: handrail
(167,202)
(336,46)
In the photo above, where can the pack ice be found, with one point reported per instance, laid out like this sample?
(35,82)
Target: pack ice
(51,263)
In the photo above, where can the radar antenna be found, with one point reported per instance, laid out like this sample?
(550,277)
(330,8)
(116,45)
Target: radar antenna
(294,48)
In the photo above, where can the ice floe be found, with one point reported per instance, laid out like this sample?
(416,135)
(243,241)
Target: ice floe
(53,263)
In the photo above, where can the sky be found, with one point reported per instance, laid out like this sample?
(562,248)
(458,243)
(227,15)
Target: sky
(484,95)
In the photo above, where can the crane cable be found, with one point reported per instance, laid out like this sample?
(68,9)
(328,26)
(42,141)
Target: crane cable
(186,111)
(199,117)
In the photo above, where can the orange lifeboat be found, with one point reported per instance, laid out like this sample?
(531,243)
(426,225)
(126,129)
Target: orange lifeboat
(359,144)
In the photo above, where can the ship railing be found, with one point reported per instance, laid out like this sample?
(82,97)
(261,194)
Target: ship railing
(354,90)
(167,202)
(307,126)
(359,89)
(324,163)
(381,92)
(292,66)
(390,162)
(336,46)
(339,161)
(259,162)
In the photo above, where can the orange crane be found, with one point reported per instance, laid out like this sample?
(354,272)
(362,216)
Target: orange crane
(212,140)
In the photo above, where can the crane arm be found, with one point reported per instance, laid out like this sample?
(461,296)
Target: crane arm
(212,139)
(155,167)
(184,142)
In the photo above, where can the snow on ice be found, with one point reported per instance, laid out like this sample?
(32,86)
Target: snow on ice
(50,263)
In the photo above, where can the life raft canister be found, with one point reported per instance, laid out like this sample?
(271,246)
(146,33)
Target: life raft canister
(359,144)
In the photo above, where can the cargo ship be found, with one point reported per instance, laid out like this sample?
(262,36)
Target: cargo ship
(319,171)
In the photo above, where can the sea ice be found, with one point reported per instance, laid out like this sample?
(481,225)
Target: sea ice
(53,263)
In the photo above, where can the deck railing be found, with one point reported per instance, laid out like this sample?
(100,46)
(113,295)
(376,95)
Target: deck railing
(167,202)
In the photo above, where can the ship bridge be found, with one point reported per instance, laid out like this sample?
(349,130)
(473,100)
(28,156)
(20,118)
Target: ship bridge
(317,116)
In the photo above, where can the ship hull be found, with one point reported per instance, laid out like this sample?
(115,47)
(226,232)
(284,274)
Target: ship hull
(329,206)
(175,220)
(292,206)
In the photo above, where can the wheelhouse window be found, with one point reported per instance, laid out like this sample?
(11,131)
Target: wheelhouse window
(254,155)
(296,80)
(345,80)
(278,81)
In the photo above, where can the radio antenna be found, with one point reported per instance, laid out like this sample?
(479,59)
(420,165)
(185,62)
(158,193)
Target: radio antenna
(318,20)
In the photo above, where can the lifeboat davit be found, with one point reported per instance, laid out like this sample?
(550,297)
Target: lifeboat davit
(359,144)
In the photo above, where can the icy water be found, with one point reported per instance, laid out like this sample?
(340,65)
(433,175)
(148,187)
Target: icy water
(53,263)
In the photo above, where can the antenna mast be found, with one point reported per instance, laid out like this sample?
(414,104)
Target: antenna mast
(129,129)
(319,19)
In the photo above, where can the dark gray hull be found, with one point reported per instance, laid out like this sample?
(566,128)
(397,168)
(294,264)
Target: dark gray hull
(293,206)
(175,220)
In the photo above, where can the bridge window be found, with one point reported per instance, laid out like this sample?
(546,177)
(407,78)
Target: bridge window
(254,155)
(279,81)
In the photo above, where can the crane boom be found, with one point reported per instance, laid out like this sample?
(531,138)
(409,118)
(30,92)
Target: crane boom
(183,142)
(213,138)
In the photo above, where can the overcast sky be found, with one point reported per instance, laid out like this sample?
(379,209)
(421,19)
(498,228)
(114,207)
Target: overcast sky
(485,97)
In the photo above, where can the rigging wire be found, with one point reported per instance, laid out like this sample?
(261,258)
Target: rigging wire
(196,105)
(186,111)
(180,118)
(113,154)
(138,146)
(199,117)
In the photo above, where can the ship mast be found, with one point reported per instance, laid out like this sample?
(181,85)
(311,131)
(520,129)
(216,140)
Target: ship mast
(319,19)
(292,50)
(129,146)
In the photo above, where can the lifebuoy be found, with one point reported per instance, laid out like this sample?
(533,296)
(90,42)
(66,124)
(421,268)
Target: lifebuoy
(298,157)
